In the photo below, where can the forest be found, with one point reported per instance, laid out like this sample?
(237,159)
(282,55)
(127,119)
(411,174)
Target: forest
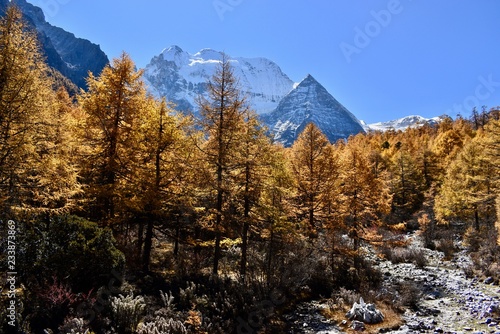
(122,215)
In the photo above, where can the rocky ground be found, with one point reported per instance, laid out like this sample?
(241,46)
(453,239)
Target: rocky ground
(450,302)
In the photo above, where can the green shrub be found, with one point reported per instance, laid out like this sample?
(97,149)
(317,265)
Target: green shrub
(72,248)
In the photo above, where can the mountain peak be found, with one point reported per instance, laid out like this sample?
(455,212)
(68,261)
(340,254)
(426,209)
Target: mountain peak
(173,49)
(175,54)
(208,54)
(309,78)
(309,102)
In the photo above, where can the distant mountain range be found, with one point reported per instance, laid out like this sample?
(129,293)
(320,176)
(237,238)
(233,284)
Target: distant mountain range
(401,123)
(284,106)
(73,57)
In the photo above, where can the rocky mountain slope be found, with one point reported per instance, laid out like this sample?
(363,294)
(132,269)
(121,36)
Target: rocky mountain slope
(71,56)
(306,103)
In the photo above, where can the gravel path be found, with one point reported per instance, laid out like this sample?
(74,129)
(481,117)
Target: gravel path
(451,302)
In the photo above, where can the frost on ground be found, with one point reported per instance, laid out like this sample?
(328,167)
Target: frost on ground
(450,302)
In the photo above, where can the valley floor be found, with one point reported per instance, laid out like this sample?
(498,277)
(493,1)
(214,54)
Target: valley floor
(450,303)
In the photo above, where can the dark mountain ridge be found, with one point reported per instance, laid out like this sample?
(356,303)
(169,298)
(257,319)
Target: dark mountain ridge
(73,57)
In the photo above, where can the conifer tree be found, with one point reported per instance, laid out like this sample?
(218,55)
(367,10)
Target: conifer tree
(491,144)
(254,158)
(36,167)
(163,176)
(58,188)
(275,209)
(313,170)
(467,191)
(115,105)
(407,185)
(364,198)
(222,120)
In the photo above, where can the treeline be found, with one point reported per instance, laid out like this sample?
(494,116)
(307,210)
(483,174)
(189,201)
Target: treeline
(211,196)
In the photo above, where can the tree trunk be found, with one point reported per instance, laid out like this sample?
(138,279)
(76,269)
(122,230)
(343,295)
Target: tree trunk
(148,243)
(476,219)
(140,238)
(244,247)
(218,222)
(246,216)
(177,236)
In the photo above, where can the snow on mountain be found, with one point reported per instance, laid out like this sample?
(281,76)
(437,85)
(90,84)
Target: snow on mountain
(181,77)
(310,102)
(401,123)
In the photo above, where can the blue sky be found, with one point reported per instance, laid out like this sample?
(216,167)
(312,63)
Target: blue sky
(381,59)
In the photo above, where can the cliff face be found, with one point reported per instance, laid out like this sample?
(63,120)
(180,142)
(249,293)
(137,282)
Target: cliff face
(73,57)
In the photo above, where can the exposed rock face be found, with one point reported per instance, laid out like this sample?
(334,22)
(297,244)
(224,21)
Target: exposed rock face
(308,103)
(366,313)
(73,57)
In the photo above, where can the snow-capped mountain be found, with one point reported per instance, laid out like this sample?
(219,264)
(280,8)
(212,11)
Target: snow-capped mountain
(306,103)
(402,124)
(181,77)
(73,57)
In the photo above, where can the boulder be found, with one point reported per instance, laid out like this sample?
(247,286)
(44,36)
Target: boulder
(366,313)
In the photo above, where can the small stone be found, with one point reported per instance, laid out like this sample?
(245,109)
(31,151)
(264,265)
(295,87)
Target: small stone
(488,280)
(358,326)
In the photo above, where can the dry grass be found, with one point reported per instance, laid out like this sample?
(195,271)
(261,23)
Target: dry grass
(392,319)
